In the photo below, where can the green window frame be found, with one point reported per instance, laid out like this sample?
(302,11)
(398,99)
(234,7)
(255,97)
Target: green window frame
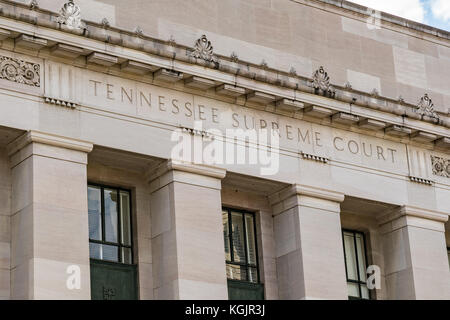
(241,249)
(110,224)
(355,256)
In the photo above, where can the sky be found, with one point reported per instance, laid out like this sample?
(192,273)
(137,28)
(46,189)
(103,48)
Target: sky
(435,13)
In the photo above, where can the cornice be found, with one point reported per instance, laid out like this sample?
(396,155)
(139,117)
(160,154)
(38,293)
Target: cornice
(413,211)
(315,96)
(177,165)
(386,17)
(304,190)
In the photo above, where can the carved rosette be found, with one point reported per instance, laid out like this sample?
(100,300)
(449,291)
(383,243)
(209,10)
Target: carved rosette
(321,83)
(70,15)
(441,166)
(20,71)
(203,49)
(426,107)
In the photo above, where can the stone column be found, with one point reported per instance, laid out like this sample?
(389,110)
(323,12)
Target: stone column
(308,241)
(49,222)
(187,232)
(415,254)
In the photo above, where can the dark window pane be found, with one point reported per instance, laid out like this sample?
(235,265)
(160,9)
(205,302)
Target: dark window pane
(94,213)
(238,237)
(235,272)
(125,218)
(111,216)
(448,253)
(110,253)
(250,237)
(226,238)
(126,256)
(95,251)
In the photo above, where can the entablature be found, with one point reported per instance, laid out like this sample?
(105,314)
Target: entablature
(106,49)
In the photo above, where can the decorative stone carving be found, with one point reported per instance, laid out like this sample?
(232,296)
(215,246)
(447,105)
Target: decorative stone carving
(197,132)
(171,42)
(234,57)
(70,15)
(441,166)
(264,64)
(105,23)
(321,83)
(139,32)
(426,107)
(348,86)
(20,71)
(293,72)
(203,49)
(34,5)
(313,157)
(375,93)
(60,102)
(421,180)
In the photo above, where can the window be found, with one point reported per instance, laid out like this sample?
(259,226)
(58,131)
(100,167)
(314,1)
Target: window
(355,264)
(110,236)
(241,254)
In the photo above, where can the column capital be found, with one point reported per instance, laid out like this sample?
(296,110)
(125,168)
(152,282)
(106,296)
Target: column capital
(185,172)
(48,139)
(304,190)
(412,216)
(307,196)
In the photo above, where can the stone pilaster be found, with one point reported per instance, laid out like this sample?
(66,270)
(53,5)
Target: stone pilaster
(308,241)
(49,222)
(415,254)
(187,232)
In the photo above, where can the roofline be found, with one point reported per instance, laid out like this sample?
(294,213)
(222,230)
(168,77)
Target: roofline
(386,17)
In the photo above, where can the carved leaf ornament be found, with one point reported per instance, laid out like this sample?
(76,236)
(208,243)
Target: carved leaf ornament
(20,71)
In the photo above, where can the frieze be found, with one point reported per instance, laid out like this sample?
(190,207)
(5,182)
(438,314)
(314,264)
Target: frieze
(441,166)
(20,71)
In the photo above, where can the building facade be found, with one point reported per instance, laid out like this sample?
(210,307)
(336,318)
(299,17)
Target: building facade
(222,149)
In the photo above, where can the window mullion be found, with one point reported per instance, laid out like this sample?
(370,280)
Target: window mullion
(119,226)
(244,227)
(102,214)
(357,264)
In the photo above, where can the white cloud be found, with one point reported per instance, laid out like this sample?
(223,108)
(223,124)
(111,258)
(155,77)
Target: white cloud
(409,9)
(441,9)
